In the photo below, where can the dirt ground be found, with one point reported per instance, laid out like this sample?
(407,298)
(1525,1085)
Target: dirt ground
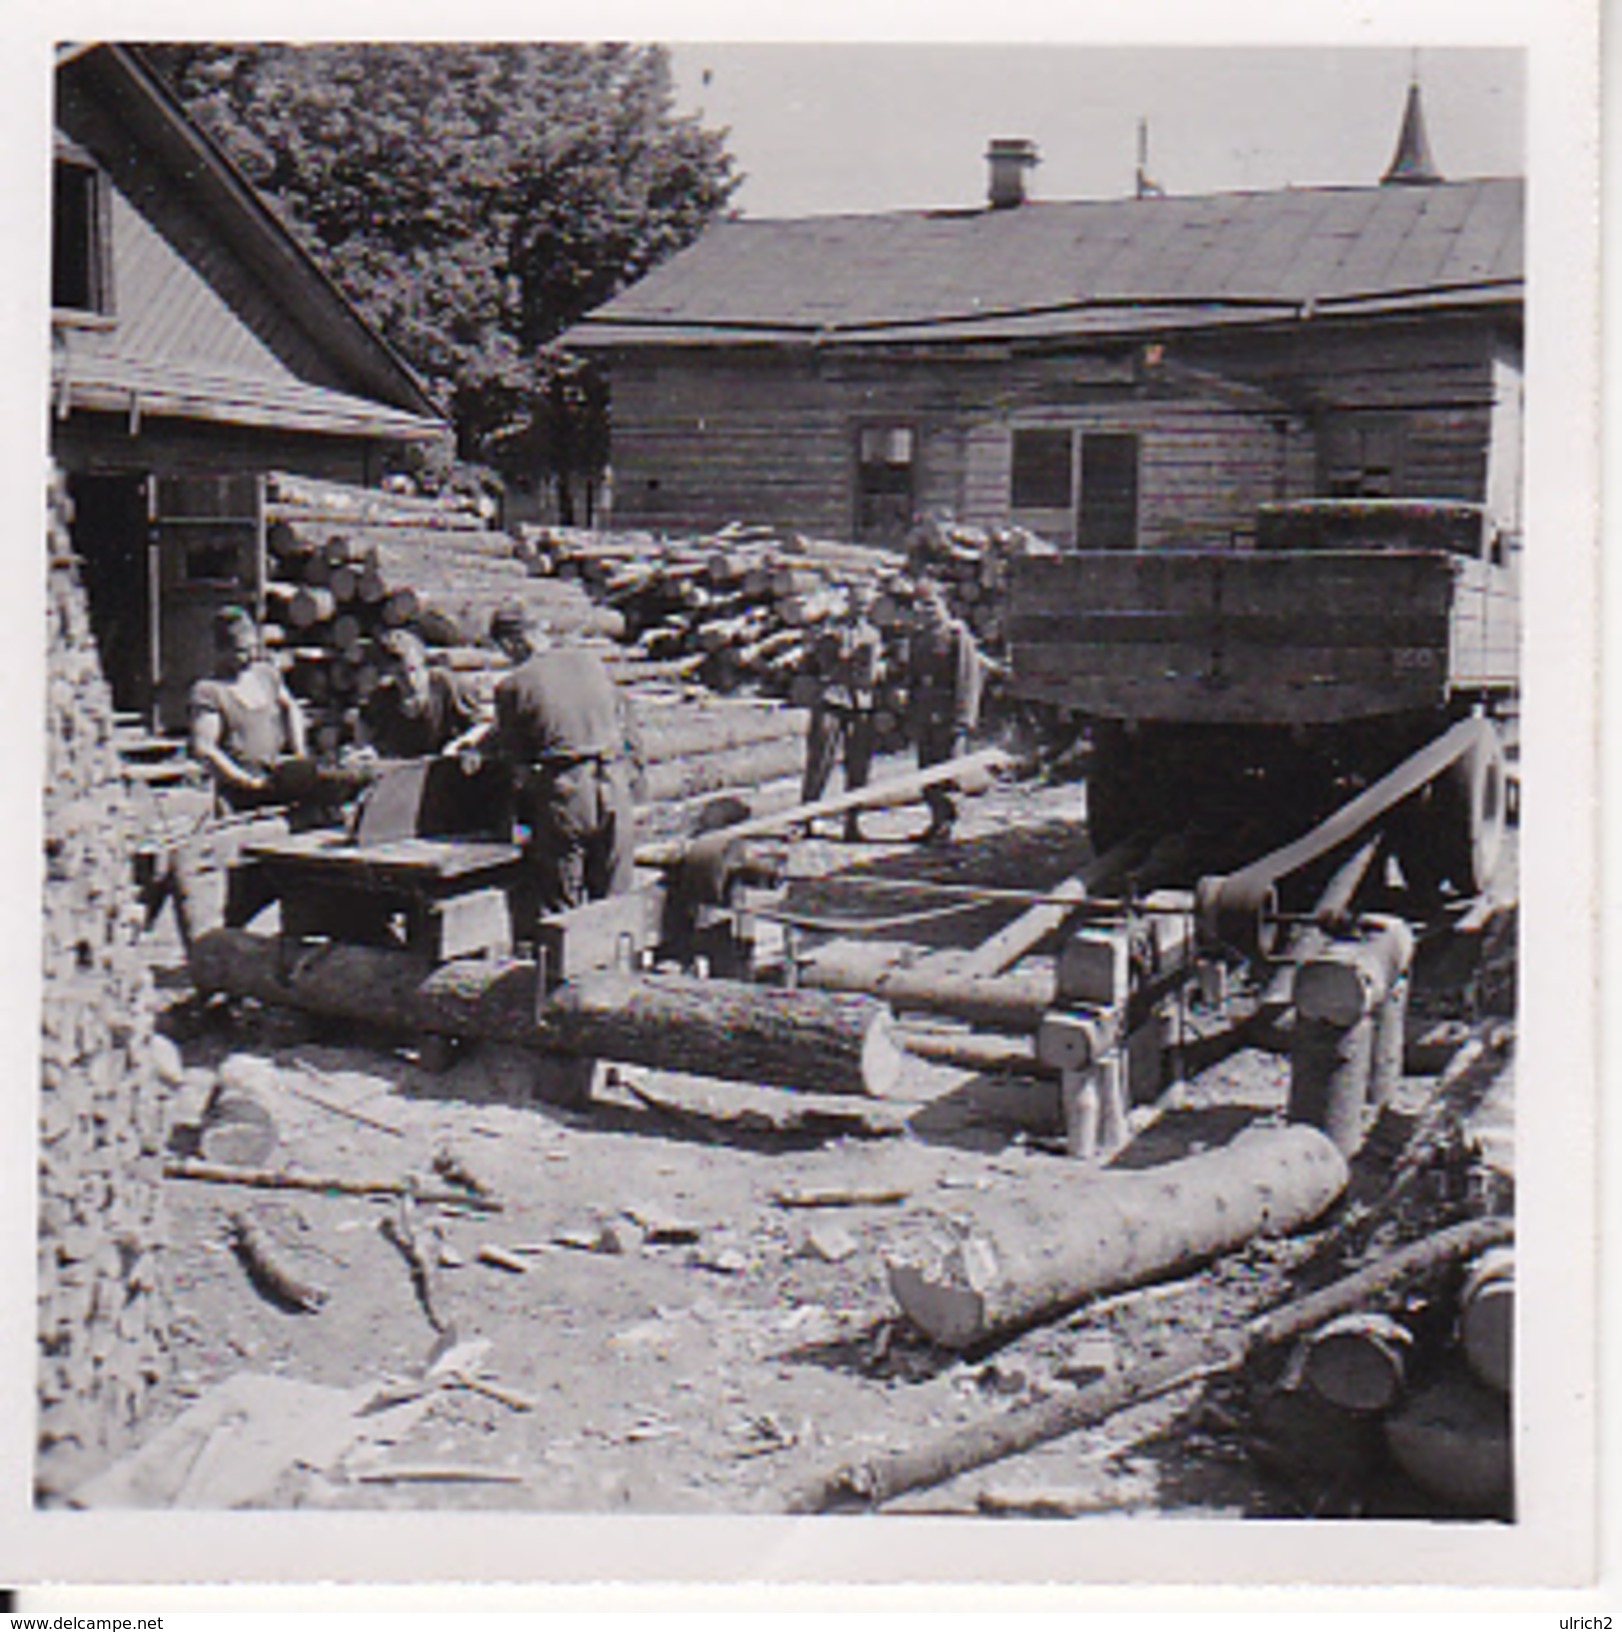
(671,1337)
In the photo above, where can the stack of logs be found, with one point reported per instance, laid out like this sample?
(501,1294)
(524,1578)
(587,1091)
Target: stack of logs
(102,1326)
(744,607)
(348,564)
(972,564)
(741,607)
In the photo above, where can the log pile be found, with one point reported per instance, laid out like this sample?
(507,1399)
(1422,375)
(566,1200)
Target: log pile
(346,564)
(740,608)
(102,1325)
(743,607)
(972,564)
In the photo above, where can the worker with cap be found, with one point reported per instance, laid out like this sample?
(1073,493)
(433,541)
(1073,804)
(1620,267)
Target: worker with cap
(945,675)
(567,738)
(245,723)
(417,709)
(849,666)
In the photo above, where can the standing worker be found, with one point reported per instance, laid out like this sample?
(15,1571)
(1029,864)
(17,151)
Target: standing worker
(850,665)
(945,676)
(567,737)
(245,723)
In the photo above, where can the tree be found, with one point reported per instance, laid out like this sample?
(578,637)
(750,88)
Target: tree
(473,201)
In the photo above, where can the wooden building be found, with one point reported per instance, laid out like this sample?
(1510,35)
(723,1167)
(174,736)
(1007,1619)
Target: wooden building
(195,346)
(1140,372)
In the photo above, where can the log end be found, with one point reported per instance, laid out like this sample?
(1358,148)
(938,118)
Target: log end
(947,1303)
(1358,1362)
(1487,1318)
(883,1055)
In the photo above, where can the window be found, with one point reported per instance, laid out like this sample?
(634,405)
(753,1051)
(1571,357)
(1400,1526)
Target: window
(1042,476)
(80,272)
(1361,457)
(885,471)
(1109,492)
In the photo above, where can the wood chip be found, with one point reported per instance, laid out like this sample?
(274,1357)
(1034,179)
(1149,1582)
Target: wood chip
(448,1473)
(502,1259)
(835,1195)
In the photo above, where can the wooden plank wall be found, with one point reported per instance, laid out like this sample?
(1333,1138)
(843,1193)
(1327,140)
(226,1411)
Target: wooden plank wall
(100,445)
(706,436)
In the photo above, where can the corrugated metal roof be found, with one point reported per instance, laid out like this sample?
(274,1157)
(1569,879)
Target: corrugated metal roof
(1057,268)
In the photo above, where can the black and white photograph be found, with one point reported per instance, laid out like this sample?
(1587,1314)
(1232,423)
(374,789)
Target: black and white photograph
(790,779)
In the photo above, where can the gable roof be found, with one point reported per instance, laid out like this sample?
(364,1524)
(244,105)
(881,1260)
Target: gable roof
(1046,270)
(309,342)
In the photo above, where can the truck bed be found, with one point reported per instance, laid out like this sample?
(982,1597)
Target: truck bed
(1210,636)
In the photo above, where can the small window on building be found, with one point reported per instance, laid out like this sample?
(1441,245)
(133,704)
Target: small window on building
(81,278)
(886,470)
(1042,475)
(1361,458)
(1109,492)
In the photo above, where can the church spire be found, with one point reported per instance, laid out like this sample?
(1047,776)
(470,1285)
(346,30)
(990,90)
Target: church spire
(1412,165)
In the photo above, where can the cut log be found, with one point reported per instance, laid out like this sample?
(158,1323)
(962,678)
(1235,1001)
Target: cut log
(824,1042)
(1359,1362)
(879,1479)
(989,1055)
(1013,1002)
(1453,1440)
(818,1041)
(1124,1229)
(714,732)
(971,772)
(1330,1067)
(1487,1318)
(236,1127)
(744,767)
(310,604)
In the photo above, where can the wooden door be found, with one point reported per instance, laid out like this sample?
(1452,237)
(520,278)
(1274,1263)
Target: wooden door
(208,551)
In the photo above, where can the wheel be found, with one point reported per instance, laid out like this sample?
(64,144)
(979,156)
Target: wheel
(1471,805)
(1455,835)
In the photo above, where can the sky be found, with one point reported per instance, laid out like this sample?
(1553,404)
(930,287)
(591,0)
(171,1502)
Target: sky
(822,128)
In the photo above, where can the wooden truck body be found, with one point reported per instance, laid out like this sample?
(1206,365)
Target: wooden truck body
(1277,677)
(1344,611)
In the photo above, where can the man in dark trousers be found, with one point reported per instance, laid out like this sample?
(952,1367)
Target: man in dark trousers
(945,674)
(850,664)
(567,737)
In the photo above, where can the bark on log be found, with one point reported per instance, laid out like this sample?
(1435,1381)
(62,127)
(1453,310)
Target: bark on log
(1329,1078)
(970,771)
(1012,1002)
(977,1051)
(881,1478)
(267,1178)
(743,767)
(817,1041)
(1124,1229)
(711,733)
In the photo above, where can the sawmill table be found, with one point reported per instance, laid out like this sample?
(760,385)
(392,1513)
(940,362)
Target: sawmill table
(446,898)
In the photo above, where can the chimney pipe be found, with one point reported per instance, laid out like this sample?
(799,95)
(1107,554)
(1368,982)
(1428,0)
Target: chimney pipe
(1009,157)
